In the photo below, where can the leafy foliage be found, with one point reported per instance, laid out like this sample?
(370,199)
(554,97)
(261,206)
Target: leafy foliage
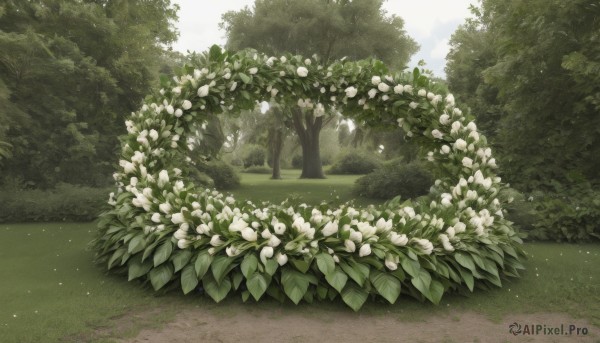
(355,162)
(395,178)
(254,156)
(222,174)
(454,239)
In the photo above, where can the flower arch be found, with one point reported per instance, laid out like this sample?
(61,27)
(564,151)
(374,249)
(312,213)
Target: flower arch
(162,229)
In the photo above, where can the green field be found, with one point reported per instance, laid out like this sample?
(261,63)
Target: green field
(50,290)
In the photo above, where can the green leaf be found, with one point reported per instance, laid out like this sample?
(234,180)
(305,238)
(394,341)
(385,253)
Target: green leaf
(220,267)
(325,263)
(301,265)
(465,261)
(411,267)
(337,279)
(271,267)
(436,290)
(237,278)
(163,252)
(245,296)
(189,279)
(136,244)
(295,284)
(257,285)
(358,272)
(217,291)
(387,285)
(138,268)
(249,265)
(160,275)
(245,78)
(115,257)
(181,259)
(467,277)
(354,296)
(422,282)
(202,264)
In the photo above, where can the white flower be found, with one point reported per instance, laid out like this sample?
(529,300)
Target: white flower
(203,229)
(128,167)
(265,253)
(372,93)
(170,109)
(365,250)
(460,227)
(430,95)
(422,92)
(445,149)
(302,71)
(279,228)
(444,119)
(383,226)
(330,228)
(467,162)
(180,234)
(274,92)
(177,218)
(231,251)
(356,236)
(252,71)
(163,178)
(227,76)
(413,105)
(350,246)
(408,89)
(282,73)
(281,259)
(437,134)
(460,144)
(274,241)
(307,61)
(183,243)
(391,264)
(237,225)
(319,110)
(375,80)
(156,217)
(471,126)
(153,134)
(351,92)
(410,212)
(176,90)
(249,234)
(456,126)
(203,91)
(383,87)
(425,245)
(165,208)
(398,239)
(398,89)
(178,112)
(446,242)
(216,241)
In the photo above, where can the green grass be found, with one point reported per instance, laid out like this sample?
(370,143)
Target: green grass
(50,290)
(335,189)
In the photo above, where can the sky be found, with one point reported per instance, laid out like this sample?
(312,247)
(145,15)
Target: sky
(429,22)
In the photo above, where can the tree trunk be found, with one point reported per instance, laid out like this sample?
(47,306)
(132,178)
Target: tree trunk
(276,153)
(308,129)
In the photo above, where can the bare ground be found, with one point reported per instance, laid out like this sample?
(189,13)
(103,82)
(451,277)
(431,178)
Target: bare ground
(245,324)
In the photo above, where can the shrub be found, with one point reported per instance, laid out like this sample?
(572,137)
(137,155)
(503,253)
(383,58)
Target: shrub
(223,175)
(254,156)
(297,162)
(65,202)
(258,170)
(393,179)
(567,214)
(355,162)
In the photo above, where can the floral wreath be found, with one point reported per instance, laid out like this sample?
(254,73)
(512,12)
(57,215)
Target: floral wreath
(162,229)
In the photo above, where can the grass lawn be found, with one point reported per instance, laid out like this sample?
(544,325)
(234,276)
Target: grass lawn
(50,291)
(335,189)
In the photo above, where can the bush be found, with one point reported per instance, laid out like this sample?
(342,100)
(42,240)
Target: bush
(355,162)
(567,214)
(254,156)
(297,162)
(65,202)
(393,179)
(223,175)
(258,170)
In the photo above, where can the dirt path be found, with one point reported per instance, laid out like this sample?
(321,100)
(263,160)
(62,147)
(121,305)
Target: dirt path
(285,326)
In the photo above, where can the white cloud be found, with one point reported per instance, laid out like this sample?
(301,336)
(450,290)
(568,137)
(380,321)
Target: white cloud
(440,49)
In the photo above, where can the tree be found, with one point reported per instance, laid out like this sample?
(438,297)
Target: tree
(72,70)
(331,30)
(540,60)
